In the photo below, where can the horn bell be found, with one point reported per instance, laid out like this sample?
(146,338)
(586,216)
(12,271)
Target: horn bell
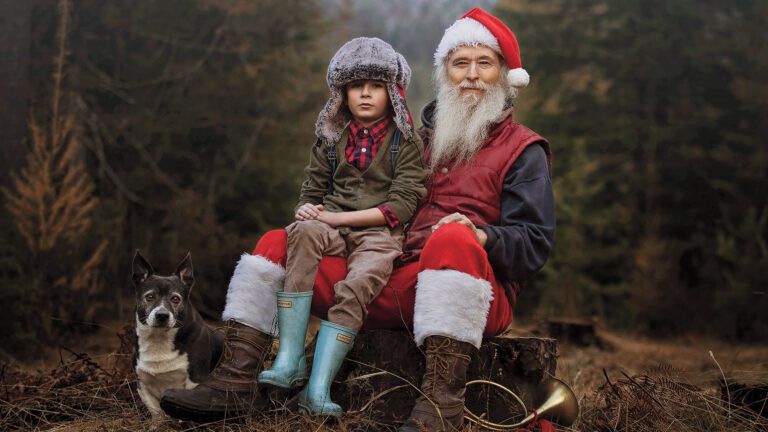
(556,403)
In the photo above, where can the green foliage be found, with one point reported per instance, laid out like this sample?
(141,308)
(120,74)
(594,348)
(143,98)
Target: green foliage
(198,115)
(657,115)
(195,118)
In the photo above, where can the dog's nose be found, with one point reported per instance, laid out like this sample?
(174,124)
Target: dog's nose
(162,316)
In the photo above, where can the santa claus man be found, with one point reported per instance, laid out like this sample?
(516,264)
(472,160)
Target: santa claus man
(486,226)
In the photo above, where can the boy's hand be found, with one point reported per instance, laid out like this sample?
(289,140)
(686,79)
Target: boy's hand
(308,212)
(333,219)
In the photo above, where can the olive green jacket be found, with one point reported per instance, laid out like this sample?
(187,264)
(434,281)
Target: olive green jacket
(356,190)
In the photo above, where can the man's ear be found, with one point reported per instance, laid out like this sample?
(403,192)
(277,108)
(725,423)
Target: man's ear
(142,270)
(185,272)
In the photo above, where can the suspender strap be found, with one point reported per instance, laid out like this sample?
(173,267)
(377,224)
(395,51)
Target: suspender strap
(333,162)
(394,149)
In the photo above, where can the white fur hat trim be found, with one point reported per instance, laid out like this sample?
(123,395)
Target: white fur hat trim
(464,32)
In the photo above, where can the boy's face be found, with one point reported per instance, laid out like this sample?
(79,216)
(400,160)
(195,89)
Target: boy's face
(368,100)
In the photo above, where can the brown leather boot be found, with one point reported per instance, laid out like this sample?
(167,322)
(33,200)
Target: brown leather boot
(442,387)
(230,390)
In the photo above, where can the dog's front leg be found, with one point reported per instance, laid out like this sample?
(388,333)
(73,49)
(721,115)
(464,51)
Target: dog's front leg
(153,405)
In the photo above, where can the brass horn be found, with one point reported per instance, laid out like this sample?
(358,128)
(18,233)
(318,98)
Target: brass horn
(554,399)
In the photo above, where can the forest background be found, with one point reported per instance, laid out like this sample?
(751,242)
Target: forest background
(184,125)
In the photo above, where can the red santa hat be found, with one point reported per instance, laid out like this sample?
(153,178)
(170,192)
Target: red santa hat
(478,27)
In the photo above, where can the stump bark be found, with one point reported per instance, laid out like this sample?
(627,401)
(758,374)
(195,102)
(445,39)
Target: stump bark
(384,369)
(571,331)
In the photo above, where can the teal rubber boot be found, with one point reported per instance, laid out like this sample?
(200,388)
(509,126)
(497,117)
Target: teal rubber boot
(333,343)
(290,364)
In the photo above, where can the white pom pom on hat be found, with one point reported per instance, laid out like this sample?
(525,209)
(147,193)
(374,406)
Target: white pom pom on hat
(518,77)
(478,27)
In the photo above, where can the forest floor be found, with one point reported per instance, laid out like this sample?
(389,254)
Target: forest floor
(627,383)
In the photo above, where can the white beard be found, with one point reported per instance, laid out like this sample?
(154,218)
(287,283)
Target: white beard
(462,122)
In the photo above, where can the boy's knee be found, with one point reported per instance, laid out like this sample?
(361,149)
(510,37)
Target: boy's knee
(308,228)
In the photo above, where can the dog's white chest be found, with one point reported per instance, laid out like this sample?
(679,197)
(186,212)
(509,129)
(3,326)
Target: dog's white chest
(159,365)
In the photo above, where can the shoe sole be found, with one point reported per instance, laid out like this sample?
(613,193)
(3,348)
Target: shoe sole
(294,383)
(203,416)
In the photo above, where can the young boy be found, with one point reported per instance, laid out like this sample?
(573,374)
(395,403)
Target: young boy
(364,181)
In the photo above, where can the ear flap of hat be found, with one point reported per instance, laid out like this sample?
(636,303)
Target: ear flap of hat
(403,72)
(332,118)
(400,113)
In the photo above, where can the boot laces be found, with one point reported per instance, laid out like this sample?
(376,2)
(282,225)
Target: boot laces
(232,335)
(440,356)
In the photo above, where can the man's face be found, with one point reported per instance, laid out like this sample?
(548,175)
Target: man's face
(473,68)
(368,100)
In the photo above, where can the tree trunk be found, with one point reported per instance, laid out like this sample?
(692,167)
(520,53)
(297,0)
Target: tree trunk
(15,19)
(384,370)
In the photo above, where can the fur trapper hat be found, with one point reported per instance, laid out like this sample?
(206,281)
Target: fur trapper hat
(364,58)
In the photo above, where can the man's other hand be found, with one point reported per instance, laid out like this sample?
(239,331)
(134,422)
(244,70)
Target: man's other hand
(460,218)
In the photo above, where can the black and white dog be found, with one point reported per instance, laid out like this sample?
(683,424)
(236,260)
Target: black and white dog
(175,347)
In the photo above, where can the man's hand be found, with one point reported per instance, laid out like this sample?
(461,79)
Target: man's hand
(308,212)
(460,218)
(333,219)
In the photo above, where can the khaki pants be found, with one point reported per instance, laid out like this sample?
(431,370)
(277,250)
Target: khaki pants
(370,254)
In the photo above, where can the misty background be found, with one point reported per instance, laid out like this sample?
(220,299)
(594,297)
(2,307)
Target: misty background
(184,125)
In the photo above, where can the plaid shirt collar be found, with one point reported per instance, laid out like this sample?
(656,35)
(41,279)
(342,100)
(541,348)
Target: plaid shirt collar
(377,131)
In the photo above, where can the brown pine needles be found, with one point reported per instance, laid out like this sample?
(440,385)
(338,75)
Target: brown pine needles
(52,196)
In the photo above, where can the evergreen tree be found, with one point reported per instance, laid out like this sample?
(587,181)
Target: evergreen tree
(651,92)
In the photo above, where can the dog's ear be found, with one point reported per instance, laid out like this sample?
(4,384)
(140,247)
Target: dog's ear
(185,272)
(142,270)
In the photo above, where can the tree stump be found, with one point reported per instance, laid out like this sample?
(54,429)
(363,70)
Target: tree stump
(384,369)
(573,331)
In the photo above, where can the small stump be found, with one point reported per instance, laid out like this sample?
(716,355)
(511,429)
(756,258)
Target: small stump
(384,370)
(578,332)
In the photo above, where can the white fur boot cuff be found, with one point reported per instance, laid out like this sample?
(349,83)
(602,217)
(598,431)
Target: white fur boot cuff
(251,297)
(451,303)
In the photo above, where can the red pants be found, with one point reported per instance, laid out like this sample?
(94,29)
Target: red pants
(451,247)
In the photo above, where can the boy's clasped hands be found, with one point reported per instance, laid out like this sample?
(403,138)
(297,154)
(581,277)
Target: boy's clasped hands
(310,211)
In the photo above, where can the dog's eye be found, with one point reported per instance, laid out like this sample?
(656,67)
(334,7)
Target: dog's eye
(176,299)
(149,297)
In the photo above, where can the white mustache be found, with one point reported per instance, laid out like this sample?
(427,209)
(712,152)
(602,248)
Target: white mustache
(477,85)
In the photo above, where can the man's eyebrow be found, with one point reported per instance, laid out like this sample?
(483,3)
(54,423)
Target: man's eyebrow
(469,57)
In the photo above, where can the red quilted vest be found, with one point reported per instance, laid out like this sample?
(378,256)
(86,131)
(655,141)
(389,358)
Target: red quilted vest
(473,188)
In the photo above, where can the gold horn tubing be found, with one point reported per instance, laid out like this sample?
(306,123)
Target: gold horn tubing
(472,418)
(555,402)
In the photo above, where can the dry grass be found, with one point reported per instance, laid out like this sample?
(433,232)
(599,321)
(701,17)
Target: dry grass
(643,385)
(636,385)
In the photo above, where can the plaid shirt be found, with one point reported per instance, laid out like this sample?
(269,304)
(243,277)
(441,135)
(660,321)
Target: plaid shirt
(361,148)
